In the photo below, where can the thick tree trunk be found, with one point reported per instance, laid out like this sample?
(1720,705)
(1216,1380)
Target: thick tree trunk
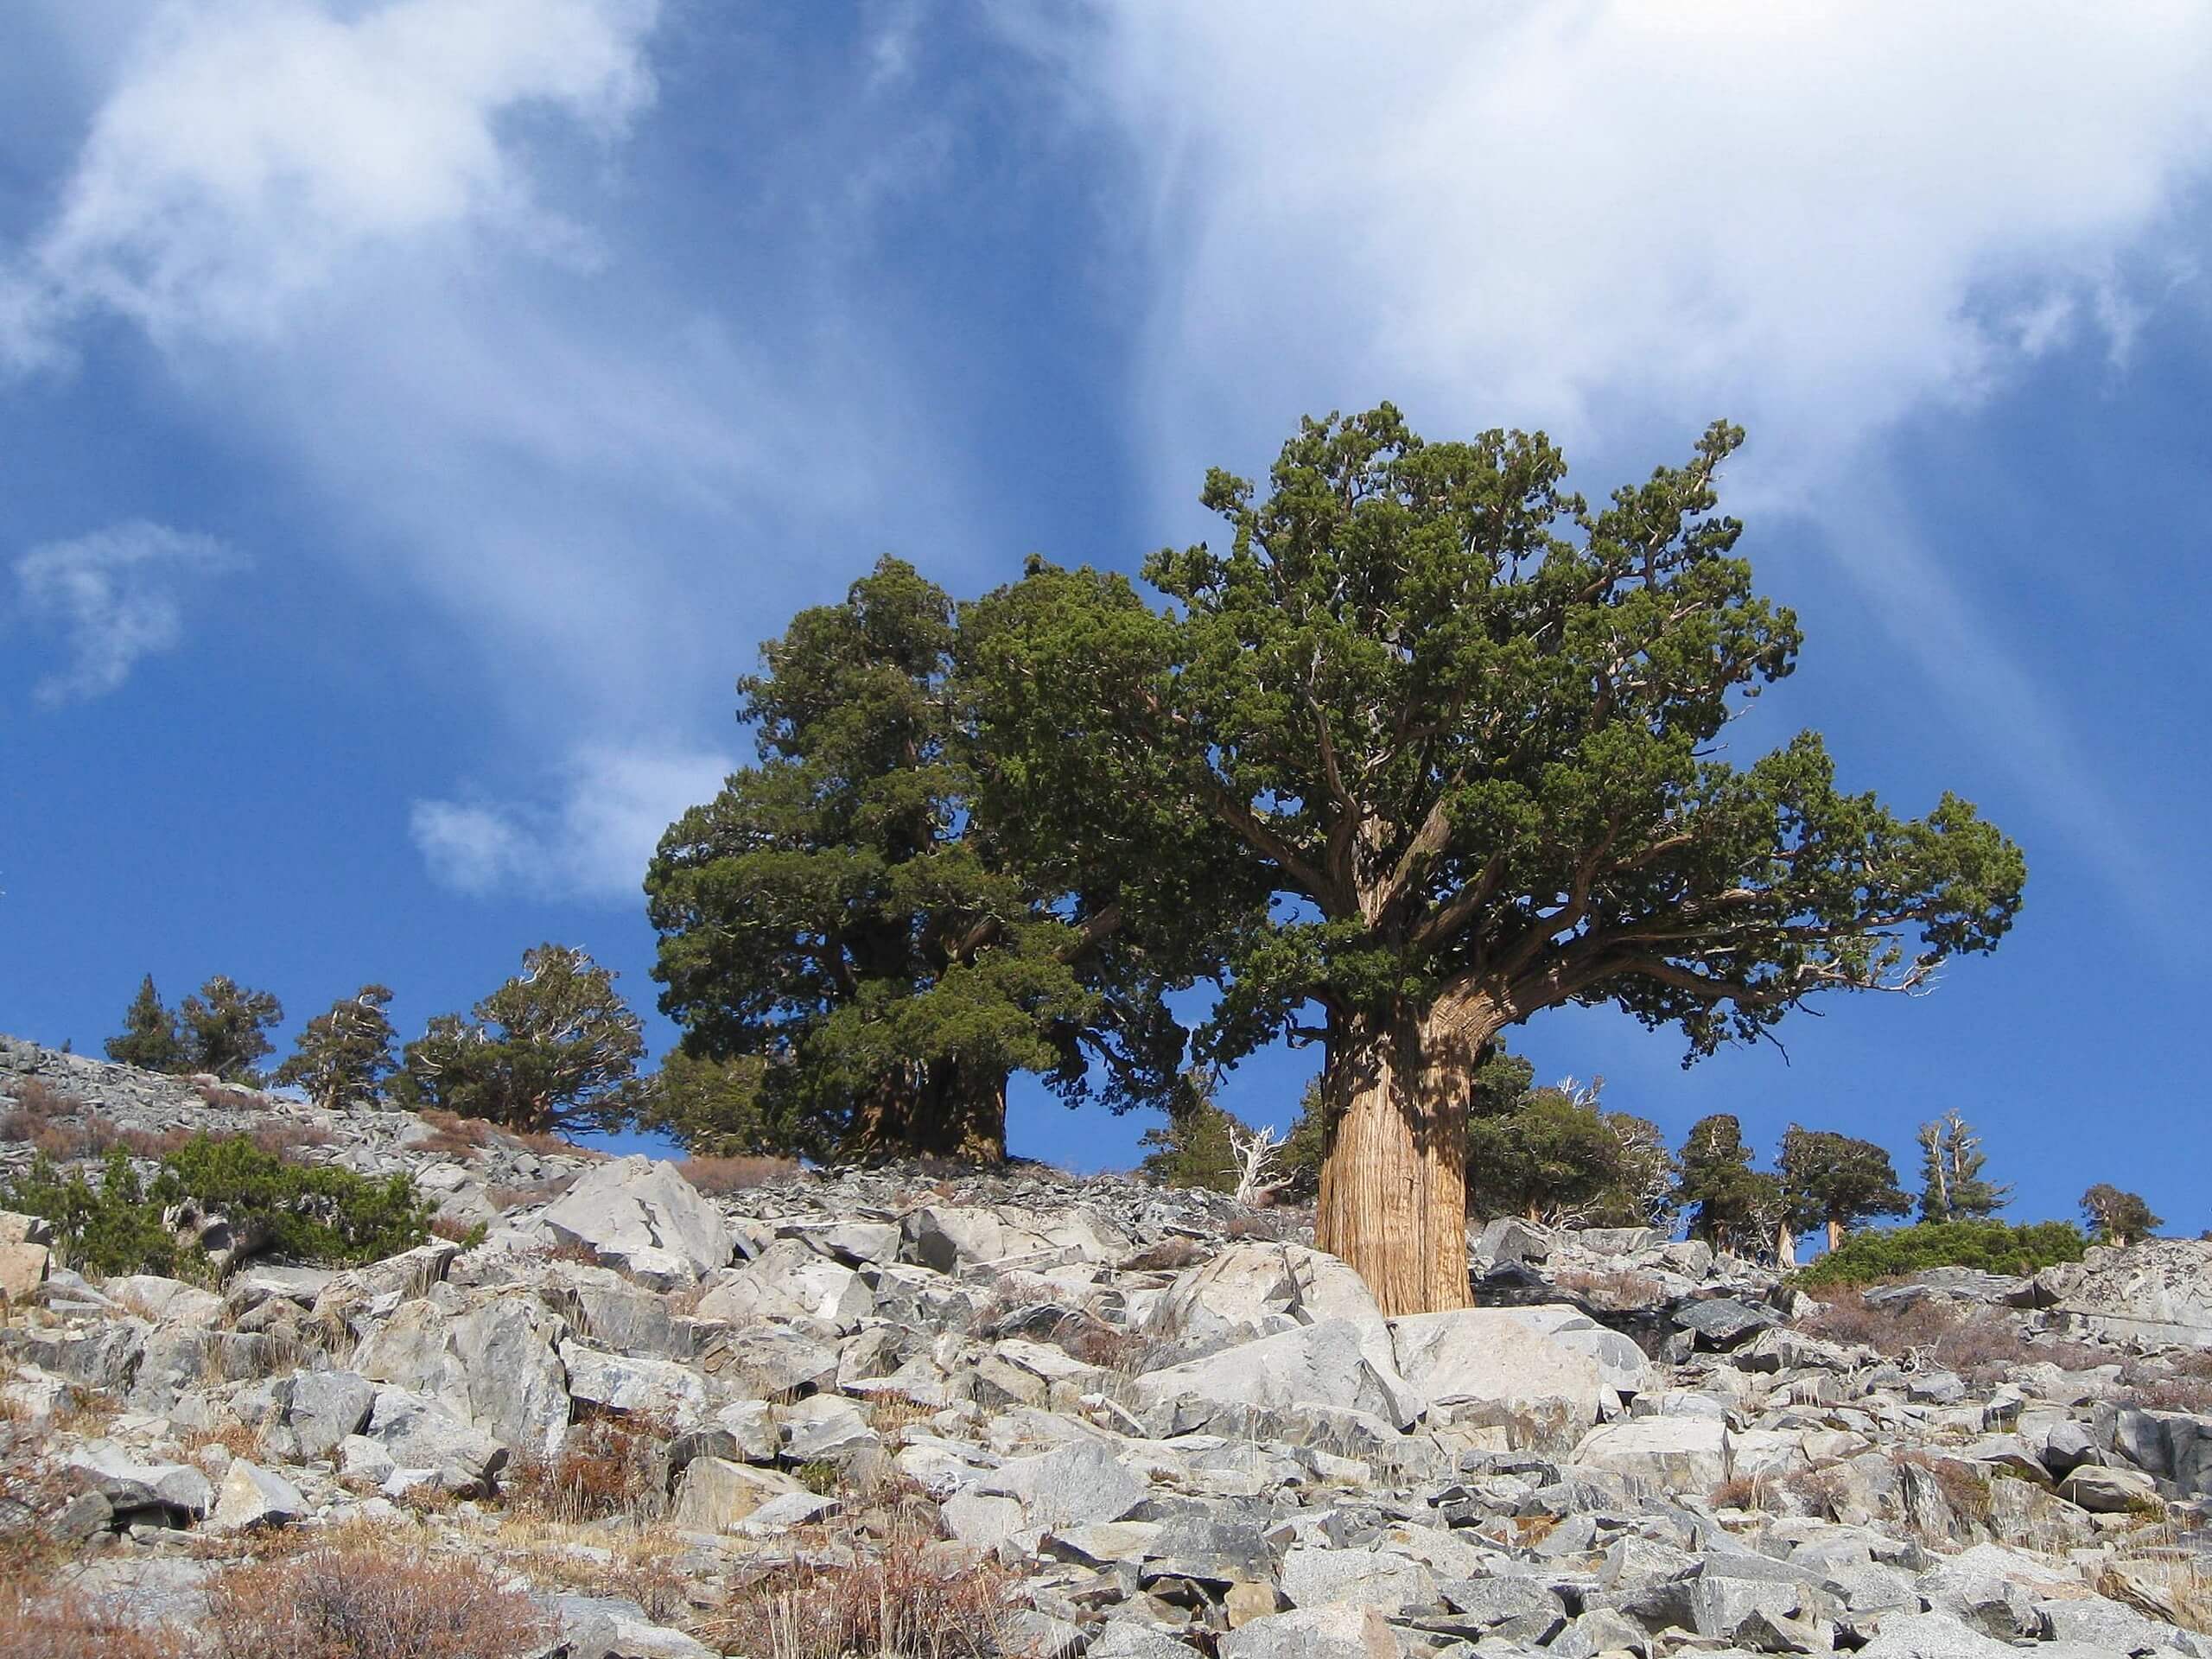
(1835,1234)
(1393,1183)
(944,1110)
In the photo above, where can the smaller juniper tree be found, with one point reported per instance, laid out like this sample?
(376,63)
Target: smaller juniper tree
(225,1028)
(1731,1204)
(149,1039)
(554,1047)
(344,1056)
(1836,1181)
(2118,1217)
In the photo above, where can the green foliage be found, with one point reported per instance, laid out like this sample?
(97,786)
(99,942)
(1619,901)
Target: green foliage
(224,1028)
(149,1039)
(1308,1143)
(1553,1155)
(105,1230)
(840,912)
(727,1109)
(1193,1149)
(343,1056)
(1952,1187)
(320,1214)
(1991,1246)
(1731,1205)
(325,1216)
(2116,1216)
(1834,1178)
(1463,726)
(554,1048)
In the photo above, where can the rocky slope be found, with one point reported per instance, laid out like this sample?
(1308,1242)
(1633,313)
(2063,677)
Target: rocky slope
(1054,1415)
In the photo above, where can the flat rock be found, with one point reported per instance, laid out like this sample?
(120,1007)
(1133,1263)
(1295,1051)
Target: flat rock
(639,1215)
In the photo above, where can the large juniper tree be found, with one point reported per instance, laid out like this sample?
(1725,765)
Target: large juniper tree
(840,911)
(1836,1181)
(1462,726)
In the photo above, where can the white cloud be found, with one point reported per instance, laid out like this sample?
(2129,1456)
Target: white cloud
(373,255)
(1619,220)
(255,149)
(114,596)
(593,842)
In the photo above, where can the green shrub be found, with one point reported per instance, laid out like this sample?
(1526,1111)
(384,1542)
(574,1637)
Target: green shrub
(325,1216)
(322,1214)
(1991,1246)
(107,1229)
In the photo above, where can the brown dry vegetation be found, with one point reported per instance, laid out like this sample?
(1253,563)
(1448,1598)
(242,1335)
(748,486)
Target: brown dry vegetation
(1170,1254)
(288,1141)
(1980,1348)
(908,1596)
(1613,1288)
(40,1620)
(607,1467)
(63,1128)
(717,1176)
(358,1594)
(456,1136)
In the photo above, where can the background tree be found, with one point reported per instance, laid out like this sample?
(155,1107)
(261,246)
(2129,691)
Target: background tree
(1952,1187)
(149,1039)
(225,1028)
(1193,1147)
(729,1109)
(2118,1217)
(839,907)
(1836,1181)
(1732,1206)
(555,1047)
(343,1056)
(1459,726)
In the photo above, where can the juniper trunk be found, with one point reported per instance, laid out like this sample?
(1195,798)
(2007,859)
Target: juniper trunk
(942,1110)
(1394,1185)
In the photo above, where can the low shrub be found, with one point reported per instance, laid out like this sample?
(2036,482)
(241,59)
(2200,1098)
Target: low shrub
(906,1597)
(1991,1246)
(361,1596)
(325,1215)
(607,1467)
(42,1620)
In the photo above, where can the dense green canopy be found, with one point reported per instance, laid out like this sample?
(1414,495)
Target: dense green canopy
(1460,729)
(842,915)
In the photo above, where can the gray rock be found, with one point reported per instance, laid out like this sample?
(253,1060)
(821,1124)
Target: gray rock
(2158,1290)
(516,1385)
(658,1388)
(252,1497)
(321,1408)
(418,1432)
(1486,1366)
(1341,1631)
(1680,1454)
(128,1484)
(789,1282)
(594,1627)
(1932,1636)
(1070,1486)
(1721,1322)
(1313,1577)
(1324,1364)
(2109,1491)
(642,1217)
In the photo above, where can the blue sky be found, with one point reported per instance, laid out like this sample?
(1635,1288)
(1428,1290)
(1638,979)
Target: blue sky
(414,414)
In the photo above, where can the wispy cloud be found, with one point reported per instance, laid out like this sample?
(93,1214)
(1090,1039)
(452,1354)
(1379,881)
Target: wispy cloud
(116,598)
(255,151)
(591,841)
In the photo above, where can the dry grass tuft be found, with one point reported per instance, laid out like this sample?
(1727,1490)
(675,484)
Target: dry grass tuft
(905,1597)
(288,1141)
(608,1466)
(456,1136)
(717,1176)
(361,1595)
(236,1439)
(1170,1254)
(1613,1288)
(41,1621)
